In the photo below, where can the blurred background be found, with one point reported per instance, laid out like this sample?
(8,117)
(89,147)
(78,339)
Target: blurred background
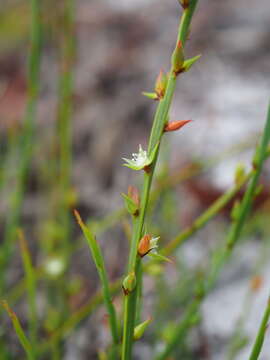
(71,77)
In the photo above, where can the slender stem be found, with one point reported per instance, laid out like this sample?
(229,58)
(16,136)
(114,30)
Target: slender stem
(238,338)
(203,219)
(64,121)
(200,222)
(155,138)
(173,244)
(31,288)
(25,146)
(61,213)
(221,255)
(257,347)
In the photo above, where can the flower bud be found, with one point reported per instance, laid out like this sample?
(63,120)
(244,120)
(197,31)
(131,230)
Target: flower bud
(144,245)
(184,3)
(175,125)
(178,58)
(161,84)
(140,329)
(239,174)
(133,193)
(150,95)
(129,283)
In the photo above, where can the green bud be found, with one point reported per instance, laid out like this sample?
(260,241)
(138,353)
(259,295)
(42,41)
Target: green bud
(140,329)
(161,85)
(129,283)
(150,95)
(239,174)
(131,207)
(189,62)
(178,58)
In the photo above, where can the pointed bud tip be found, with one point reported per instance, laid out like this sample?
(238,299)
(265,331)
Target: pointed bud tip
(179,44)
(161,84)
(77,216)
(140,329)
(175,125)
(184,4)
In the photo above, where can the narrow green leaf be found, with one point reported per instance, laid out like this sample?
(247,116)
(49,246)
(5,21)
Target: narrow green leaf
(159,257)
(99,262)
(131,207)
(189,62)
(19,331)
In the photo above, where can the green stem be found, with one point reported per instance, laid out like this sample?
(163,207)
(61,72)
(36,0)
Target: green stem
(200,222)
(61,211)
(257,347)
(31,289)
(203,219)
(238,338)
(160,120)
(25,147)
(220,256)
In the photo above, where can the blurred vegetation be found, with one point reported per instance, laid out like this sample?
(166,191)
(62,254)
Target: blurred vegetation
(51,298)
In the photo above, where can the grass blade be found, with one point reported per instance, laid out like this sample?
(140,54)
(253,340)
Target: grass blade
(257,347)
(19,331)
(99,262)
(30,278)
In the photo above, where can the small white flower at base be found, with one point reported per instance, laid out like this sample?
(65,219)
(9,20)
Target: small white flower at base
(54,266)
(139,160)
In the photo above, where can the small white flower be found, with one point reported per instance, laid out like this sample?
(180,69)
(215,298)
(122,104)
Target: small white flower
(154,243)
(139,160)
(55,266)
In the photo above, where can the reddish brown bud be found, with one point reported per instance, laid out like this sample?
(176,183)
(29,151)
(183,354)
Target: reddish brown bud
(161,84)
(184,3)
(144,245)
(175,125)
(134,194)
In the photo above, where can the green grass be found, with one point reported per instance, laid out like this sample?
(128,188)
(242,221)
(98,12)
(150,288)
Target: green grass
(50,244)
